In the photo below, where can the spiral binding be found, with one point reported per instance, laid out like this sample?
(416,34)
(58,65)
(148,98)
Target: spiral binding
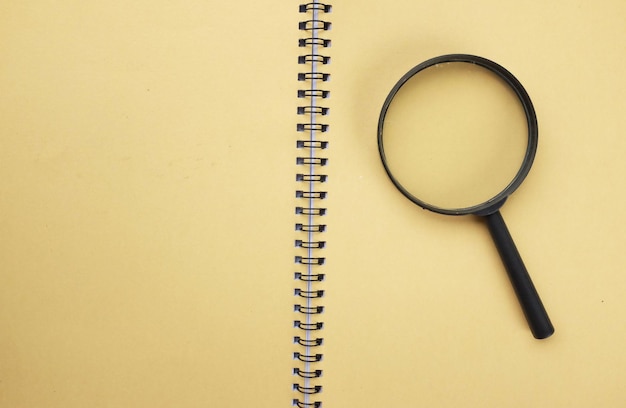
(310,209)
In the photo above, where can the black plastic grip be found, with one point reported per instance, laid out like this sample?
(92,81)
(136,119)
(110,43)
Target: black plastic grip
(535,313)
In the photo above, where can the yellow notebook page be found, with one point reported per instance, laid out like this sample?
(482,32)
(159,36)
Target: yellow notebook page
(420,311)
(146,179)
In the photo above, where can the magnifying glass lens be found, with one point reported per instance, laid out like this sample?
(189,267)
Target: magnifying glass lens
(455,136)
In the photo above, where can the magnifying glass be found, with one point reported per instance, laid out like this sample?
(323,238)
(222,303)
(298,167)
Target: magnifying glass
(457,135)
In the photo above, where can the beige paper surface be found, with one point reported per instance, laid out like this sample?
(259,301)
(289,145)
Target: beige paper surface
(147,179)
(141,163)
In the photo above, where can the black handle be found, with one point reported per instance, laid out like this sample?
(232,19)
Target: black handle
(536,315)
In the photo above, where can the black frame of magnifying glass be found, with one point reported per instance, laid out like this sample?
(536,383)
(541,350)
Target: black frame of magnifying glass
(493,204)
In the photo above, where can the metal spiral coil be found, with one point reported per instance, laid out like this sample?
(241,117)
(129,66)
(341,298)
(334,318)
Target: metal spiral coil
(300,404)
(315,277)
(309,244)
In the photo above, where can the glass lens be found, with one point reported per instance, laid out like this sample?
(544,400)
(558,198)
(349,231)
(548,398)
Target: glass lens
(455,135)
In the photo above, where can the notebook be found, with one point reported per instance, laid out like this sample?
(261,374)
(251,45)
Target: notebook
(194,212)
